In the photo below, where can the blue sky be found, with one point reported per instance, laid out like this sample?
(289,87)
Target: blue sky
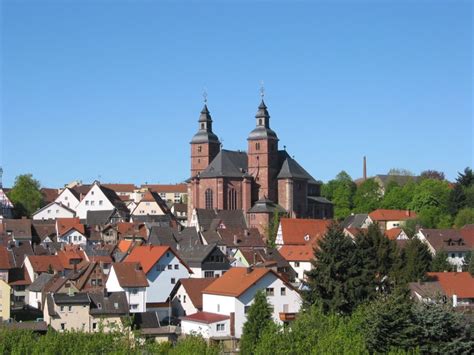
(114,88)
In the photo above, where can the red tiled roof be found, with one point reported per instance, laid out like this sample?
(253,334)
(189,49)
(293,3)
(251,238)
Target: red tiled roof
(41,263)
(4,259)
(64,225)
(101,258)
(194,288)
(124,245)
(460,284)
(297,252)
(182,188)
(393,233)
(205,317)
(49,195)
(69,254)
(121,187)
(391,215)
(130,274)
(467,234)
(295,230)
(236,281)
(147,255)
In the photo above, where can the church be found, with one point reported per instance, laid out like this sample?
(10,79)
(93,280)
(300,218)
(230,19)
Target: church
(262,181)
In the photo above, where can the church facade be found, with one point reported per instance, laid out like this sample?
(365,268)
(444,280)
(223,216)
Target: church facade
(261,181)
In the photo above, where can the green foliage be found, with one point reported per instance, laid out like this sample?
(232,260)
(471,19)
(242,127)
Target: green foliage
(416,261)
(468,264)
(464,216)
(341,192)
(25,195)
(314,332)
(440,262)
(193,345)
(259,316)
(466,178)
(430,193)
(367,197)
(272,229)
(432,174)
(336,281)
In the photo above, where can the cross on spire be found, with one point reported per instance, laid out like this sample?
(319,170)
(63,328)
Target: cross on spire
(204,95)
(262,89)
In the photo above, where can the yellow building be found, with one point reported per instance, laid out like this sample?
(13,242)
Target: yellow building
(5,292)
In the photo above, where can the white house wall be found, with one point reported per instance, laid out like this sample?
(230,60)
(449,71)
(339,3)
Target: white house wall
(68,199)
(53,211)
(95,200)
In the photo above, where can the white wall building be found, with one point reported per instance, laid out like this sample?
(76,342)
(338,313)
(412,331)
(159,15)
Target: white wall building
(68,198)
(52,211)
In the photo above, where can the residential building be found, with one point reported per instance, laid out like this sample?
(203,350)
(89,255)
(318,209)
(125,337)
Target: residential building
(151,205)
(293,231)
(299,257)
(5,300)
(69,198)
(388,219)
(177,193)
(204,260)
(187,296)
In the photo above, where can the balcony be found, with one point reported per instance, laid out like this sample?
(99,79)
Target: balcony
(287,317)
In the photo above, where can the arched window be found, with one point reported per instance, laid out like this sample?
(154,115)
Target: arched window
(232,199)
(257,146)
(202,126)
(209,199)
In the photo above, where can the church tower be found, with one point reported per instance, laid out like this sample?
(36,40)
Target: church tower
(263,155)
(205,145)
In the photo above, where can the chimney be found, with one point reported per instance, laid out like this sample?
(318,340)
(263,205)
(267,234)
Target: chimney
(235,239)
(249,270)
(365,169)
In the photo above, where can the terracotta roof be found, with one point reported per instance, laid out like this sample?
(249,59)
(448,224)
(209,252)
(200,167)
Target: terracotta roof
(64,225)
(130,229)
(121,187)
(236,281)
(445,239)
(460,284)
(297,252)
(130,274)
(182,188)
(20,228)
(205,317)
(147,255)
(125,198)
(467,233)
(101,258)
(4,259)
(68,255)
(41,263)
(194,288)
(391,215)
(393,233)
(303,231)
(124,245)
(49,195)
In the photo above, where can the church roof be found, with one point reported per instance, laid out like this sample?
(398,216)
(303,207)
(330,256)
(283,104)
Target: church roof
(262,132)
(205,135)
(265,205)
(227,163)
(291,169)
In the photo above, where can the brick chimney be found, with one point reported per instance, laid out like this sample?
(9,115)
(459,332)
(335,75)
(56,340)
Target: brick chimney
(364,173)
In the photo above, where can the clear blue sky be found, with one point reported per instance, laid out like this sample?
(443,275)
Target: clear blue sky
(113,88)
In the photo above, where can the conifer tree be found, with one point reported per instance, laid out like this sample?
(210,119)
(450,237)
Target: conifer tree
(259,316)
(416,261)
(336,281)
(440,263)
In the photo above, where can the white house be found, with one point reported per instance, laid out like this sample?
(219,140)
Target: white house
(299,257)
(129,278)
(187,296)
(68,198)
(163,268)
(233,293)
(52,211)
(151,205)
(70,231)
(100,198)
(208,325)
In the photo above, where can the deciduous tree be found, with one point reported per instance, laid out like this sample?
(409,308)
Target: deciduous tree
(25,195)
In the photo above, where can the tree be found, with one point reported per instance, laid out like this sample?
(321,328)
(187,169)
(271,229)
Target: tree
(336,280)
(272,229)
(468,263)
(440,262)
(432,174)
(398,197)
(466,178)
(25,195)
(259,316)
(416,260)
(367,197)
(340,191)
(456,199)
(464,216)
(430,193)
(400,171)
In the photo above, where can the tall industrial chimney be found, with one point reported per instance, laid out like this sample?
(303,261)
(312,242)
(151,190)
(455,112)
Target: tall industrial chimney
(365,168)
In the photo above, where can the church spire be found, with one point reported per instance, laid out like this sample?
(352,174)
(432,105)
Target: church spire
(204,133)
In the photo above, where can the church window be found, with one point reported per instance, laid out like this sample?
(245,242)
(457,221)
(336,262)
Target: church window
(257,146)
(232,199)
(209,199)
(199,149)
(202,125)
(260,122)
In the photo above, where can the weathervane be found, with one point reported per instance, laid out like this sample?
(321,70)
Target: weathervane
(204,95)
(262,89)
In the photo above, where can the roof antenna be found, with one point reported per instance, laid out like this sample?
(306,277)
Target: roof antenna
(262,89)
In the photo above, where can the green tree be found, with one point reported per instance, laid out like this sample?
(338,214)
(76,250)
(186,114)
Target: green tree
(430,193)
(456,199)
(336,280)
(367,197)
(440,263)
(398,197)
(432,174)
(466,178)
(272,229)
(259,316)
(464,216)
(341,192)
(416,261)
(468,263)
(25,195)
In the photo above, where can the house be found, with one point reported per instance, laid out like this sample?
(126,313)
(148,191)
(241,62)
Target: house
(299,257)
(5,295)
(71,231)
(396,234)
(205,260)
(232,294)
(151,205)
(358,220)
(101,198)
(131,279)
(446,240)
(262,213)
(35,265)
(18,230)
(457,287)
(180,212)
(187,295)
(169,193)
(6,206)
(69,198)
(49,194)
(204,220)
(85,312)
(207,325)
(34,296)
(5,264)
(163,268)
(53,211)
(388,219)
(125,190)
(19,280)
(293,231)
(93,277)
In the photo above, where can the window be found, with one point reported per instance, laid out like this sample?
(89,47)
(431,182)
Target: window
(49,211)
(246,309)
(209,199)
(232,199)
(176,266)
(460,255)
(153,211)
(218,308)
(63,326)
(100,202)
(99,306)
(220,327)
(87,202)
(269,291)
(199,147)
(134,291)
(92,192)
(92,203)
(160,267)
(62,308)
(133,307)
(184,298)
(168,255)
(208,273)
(147,203)
(283,291)
(257,146)
(260,122)
(94,326)
(170,267)
(65,197)
(173,280)
(297,264)
(453,255)
(70,308)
